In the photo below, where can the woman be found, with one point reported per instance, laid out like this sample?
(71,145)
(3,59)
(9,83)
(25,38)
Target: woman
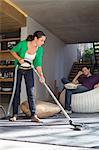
(27,53)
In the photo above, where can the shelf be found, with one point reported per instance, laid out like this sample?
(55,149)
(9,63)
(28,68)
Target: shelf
(5,66)
(5,93)
(83,63)
(5,51)
(6,55)
(6,79)
(9,39)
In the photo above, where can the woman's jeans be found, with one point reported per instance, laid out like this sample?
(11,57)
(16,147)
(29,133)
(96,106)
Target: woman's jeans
(29,81)
(68,95)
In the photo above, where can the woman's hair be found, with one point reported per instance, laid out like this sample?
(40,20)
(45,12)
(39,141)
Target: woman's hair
(37,34)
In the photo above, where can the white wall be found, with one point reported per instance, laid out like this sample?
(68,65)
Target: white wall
(70,56)
(23,33)
(52,59)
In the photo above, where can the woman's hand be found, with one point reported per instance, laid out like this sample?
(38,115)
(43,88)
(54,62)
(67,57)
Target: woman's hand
(21,61)
(42,79)
(41,76)
(16,56)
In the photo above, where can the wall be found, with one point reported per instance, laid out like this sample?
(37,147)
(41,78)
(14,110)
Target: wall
(70,56)
(23,33)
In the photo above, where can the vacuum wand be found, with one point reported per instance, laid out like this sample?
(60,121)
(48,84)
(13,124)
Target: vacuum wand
(76,126)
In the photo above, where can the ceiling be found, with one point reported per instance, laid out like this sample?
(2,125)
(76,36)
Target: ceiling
(7,23)
(73,21)
(10,18)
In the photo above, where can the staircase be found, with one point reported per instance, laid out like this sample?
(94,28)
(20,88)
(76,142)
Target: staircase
(96,54)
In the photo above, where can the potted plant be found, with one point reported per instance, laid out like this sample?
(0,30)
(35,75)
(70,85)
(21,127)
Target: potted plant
(88,55)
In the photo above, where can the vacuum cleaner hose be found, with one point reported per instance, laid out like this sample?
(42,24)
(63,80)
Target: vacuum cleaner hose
(14,87)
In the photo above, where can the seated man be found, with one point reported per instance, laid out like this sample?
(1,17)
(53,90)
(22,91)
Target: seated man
(85,81)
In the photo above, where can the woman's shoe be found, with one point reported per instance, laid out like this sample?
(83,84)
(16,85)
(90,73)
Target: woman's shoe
(35,119)
(13,119)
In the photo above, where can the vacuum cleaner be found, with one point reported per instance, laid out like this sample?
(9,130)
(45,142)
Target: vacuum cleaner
(76,127)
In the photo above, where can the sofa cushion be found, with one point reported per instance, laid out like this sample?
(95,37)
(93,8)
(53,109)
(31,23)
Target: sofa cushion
(43,109)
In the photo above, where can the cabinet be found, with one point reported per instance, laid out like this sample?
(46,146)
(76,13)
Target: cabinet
(7,65)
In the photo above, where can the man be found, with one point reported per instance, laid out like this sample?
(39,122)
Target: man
(85,81)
